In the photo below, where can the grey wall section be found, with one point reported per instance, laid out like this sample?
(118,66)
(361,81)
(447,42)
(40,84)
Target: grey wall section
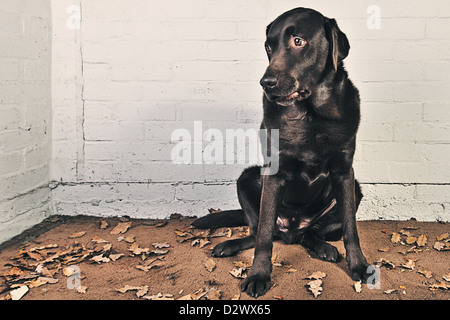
(26,114)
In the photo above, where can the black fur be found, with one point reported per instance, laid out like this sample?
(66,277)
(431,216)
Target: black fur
(229,218)
(313,197)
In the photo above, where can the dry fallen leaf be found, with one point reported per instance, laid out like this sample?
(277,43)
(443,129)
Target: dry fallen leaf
(14,271)
(160,224)
(130,239)
(49,280)
(236,297)
(436,286)
(44,271)
(444,236)
(441,246)
(159,251)
(239,273)
(48,246)
(210,265)
(181,233)
(317,275)
(134,248)
(115,256)
(405,232)
(410,263)
(384,263)
(422,240)
(121,227)
(98,240)
(82,289)
(147,268)
(36,283)
(68,271)
(185,297)
(315,287)
(446,277)
(129,288)
(404,289)
(358,287)
(413,249)
(243,264)
(390,291)
(142,291)
(103,224)
(159,296)
(411,240)
(197,295)
(395,238)
(35,256)
(77,234)
(158,245)
(427,274)
(100,258)
(204,242)
(18,293)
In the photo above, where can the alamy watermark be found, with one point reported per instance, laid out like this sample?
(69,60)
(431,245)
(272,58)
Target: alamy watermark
(374,20)
(74,279)
(73,21)
(374,281)
(234,146)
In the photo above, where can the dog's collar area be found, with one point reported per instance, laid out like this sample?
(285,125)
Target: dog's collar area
(284,223)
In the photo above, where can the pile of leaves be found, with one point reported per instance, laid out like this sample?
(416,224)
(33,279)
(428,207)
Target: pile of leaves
(35,266)
(408,240)
(203,237)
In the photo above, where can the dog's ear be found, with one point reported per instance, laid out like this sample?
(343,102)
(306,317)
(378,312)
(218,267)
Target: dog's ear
(268,28)
(339,45)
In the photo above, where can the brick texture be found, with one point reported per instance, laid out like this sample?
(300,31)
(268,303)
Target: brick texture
(126,74)
(136,71)
(25,115)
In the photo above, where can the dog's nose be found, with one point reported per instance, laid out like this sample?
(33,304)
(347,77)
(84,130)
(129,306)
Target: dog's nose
(268,82)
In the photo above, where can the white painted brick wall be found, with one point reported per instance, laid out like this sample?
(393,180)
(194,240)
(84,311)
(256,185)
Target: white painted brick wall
(25,114)
(137,70)
(126,74)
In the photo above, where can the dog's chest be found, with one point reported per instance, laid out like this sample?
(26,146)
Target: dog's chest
(302,133)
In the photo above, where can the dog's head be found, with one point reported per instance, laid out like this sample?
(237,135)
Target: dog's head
(302,46)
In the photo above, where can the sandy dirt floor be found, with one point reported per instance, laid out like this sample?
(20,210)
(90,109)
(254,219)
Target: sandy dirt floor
(87,258)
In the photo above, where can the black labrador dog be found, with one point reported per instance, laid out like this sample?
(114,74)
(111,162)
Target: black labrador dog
(313,197)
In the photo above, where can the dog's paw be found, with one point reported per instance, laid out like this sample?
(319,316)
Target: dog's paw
(361,272)
(256,285)
(224,249)
(327,252)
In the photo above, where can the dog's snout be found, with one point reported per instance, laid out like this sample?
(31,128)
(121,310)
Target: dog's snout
(268,82)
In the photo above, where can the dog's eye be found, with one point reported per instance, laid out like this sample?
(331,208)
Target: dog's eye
(299,42)
(268,49)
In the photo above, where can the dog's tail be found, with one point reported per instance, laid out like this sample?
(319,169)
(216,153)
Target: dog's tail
(229,218)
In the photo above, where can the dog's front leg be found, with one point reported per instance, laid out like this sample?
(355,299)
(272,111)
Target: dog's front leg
(344,185)
(258,281)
